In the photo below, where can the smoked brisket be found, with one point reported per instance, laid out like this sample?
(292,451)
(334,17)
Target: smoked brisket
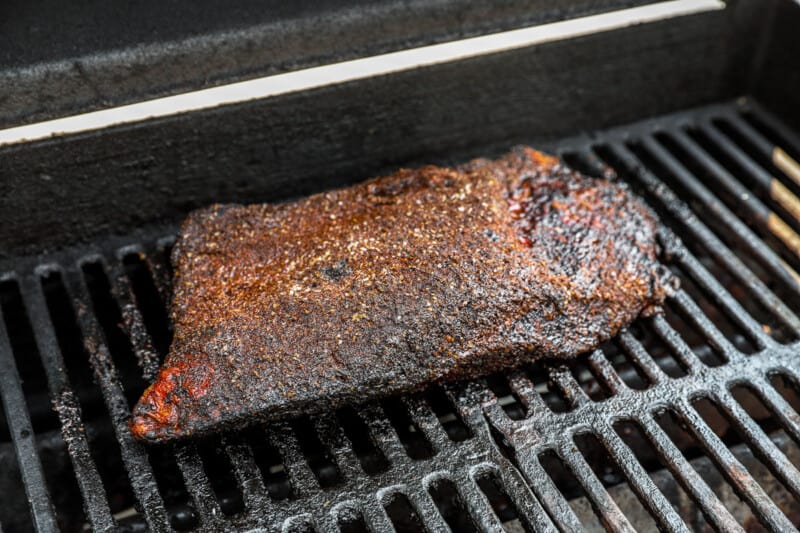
(386,286)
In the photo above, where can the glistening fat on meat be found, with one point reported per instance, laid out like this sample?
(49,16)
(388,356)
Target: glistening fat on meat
(424,275)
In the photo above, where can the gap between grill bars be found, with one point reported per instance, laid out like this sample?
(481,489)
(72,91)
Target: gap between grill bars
(686,420)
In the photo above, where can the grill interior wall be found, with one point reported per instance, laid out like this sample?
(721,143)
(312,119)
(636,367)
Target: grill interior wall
(121,179)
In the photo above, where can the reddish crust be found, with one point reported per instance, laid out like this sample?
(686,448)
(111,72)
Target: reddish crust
(385,286)
(159,405)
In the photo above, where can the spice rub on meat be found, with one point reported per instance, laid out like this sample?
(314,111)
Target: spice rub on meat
(424,275)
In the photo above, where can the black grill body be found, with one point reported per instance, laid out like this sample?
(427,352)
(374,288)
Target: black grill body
(689,420)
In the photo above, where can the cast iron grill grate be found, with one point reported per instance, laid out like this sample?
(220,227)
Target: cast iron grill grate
(687,420)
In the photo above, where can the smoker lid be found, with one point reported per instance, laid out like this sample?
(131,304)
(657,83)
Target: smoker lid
(58,60)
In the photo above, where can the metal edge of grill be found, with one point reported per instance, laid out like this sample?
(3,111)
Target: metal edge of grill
(733,324)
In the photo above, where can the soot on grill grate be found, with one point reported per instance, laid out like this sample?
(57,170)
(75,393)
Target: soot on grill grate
(690,419)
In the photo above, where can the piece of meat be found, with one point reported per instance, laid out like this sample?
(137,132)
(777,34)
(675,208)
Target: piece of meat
(386,286)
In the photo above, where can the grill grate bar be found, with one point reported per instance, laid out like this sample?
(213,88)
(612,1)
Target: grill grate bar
(472,401)
(427,422)
(634,349)
(736,474)
(704,324)
(186,457)
(697,271)
(779,158)
(301,478)
(22,436)
(723,298)
(375,516)
(189,463)
(483,515)
(161,272)
(197,484)
(762,446)
(640,482)
(779,407)
(761,143)
(423,503)
(769,186)
(548,494)
(133,454)
(677,345)
(522,386)
(331,433)
(148,359)
(606,374)
(712,205)
(499,421)
(700,231)
(714,246)
(681,212)
(782,160)
(384,435)
(248,477)
(570,389)
(693,266)
(759,176)
(517,490)
(755,496)
(713,509)
(754,209)
(606,508)
(66,406)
